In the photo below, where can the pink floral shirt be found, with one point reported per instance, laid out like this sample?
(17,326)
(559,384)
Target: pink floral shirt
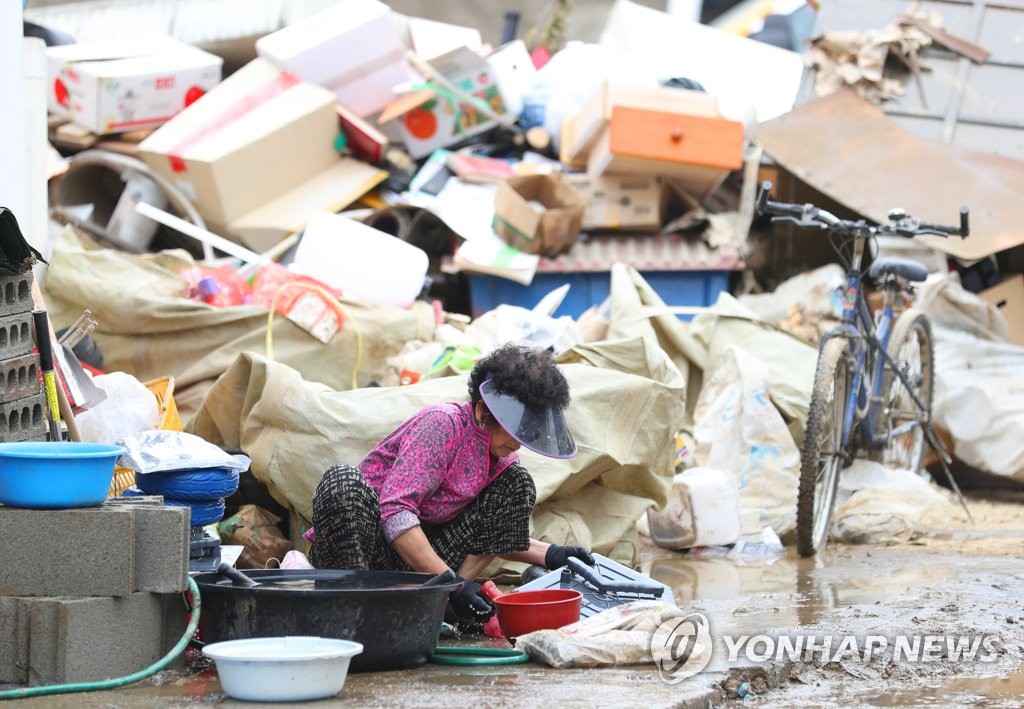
(431,467)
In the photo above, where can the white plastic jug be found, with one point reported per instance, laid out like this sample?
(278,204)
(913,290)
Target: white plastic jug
(703,510)
(360,261)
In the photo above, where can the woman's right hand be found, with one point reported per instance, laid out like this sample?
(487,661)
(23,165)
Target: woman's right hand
(557,556)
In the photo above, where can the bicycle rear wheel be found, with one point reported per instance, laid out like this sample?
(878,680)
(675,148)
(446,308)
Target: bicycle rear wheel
(910,348)
(822,454)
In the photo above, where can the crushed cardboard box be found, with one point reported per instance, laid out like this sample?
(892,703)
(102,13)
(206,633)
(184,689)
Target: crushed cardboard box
(618,201)
(429,121)
(538,214)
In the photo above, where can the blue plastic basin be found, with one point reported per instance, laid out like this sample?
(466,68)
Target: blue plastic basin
(52,476)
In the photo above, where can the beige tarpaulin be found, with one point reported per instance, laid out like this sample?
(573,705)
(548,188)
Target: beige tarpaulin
(790,362)
(148,328)
(624,425)
(627,405)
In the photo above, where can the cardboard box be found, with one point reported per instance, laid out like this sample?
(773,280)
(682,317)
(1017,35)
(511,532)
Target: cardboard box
(257,135)
(1008,299)
(619,201)
(589,122)
(352,48)
(329,191)
(444,119)
(113,86)
(538,214)
(699,151)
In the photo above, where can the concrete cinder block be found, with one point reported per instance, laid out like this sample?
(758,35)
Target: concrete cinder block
(161,543)
(161,549)
(16,333)
(78,552)
(14,641)
(19,377)
(16,294)
(142,500)
(23,419)
(87,639)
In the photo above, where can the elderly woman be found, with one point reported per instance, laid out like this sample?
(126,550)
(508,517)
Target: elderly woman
(446,489)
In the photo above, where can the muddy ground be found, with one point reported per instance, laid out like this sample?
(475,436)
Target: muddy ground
(953,579)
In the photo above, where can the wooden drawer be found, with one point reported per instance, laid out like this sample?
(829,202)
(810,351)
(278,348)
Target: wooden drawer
(699,150)
(593,117)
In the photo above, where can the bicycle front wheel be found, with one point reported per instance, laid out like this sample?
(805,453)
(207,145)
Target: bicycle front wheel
(822,454)
(910,348)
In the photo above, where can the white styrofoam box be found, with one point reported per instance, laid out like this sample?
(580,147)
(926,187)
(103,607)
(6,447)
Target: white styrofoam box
(360,261)
(351,48)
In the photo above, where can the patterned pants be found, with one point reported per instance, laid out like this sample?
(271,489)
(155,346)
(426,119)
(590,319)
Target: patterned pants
(346,517)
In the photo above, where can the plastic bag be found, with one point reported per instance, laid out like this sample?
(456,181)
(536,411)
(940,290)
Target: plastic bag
(295,560)
(256,530)
(220,287)
(156,451)
(128,409)
(739,429)
(617,636)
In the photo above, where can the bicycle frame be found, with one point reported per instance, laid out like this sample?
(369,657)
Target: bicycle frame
(868,345)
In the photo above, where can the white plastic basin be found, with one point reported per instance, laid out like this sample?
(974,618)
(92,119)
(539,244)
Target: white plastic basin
(285,669)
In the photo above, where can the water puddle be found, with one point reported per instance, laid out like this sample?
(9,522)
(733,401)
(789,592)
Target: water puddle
(990,692)
(789,590)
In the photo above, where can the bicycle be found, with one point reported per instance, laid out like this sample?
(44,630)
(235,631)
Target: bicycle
(872,386)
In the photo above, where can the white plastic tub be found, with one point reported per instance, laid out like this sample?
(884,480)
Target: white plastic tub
(703,510)
(284,669)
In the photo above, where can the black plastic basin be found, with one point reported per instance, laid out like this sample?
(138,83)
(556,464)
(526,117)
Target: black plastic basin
(391,613)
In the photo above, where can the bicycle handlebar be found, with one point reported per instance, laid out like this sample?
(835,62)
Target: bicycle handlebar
(900,223)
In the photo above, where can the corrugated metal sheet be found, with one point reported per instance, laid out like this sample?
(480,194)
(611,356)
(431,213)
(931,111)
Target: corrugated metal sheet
(671,252)
(980,107)
(849,150)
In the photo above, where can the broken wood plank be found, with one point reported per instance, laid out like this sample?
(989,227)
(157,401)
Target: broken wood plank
(974,52)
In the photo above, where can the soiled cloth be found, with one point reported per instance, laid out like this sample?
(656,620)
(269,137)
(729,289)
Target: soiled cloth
(349,533)
(431,467)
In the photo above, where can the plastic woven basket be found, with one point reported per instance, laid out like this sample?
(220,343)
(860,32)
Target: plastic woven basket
(163,390)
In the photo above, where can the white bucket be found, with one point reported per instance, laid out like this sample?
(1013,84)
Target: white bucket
(703,510)
(361,261)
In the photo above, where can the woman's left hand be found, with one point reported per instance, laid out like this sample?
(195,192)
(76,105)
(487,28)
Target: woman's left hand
(557,556)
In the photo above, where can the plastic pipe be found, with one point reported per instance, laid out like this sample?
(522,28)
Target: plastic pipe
(25,692)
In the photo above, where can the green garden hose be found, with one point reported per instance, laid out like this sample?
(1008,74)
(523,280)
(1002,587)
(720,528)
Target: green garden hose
(25,692)
(477,656)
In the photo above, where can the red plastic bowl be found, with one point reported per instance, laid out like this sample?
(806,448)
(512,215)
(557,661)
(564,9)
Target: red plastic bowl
(523,612)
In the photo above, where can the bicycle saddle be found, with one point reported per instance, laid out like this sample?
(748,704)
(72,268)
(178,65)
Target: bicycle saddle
(909,269)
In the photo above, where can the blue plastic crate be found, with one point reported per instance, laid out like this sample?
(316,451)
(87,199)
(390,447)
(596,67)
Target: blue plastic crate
(692,288)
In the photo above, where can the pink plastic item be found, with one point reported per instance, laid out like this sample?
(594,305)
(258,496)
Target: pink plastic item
(491,628)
